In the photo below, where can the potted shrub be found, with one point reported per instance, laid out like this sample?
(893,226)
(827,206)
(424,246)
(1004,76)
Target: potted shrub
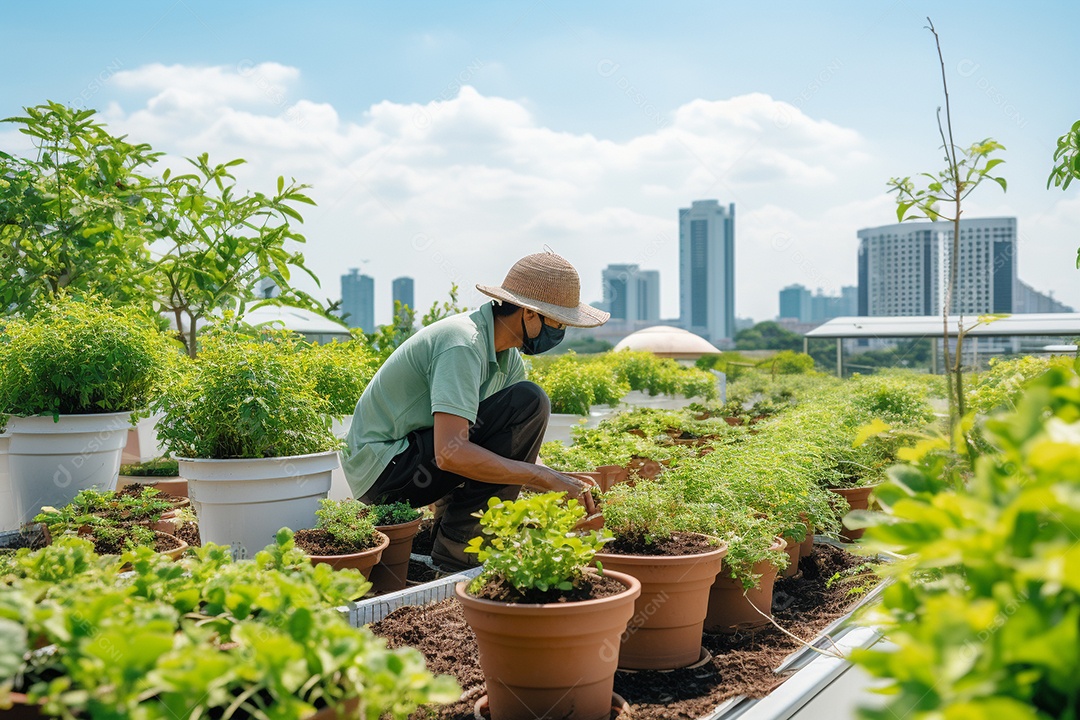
(73,372)
(243,640)
(399,522)
(573,386)
(548,627)
(162,474)
(252,438)
(344,536)
(676,570)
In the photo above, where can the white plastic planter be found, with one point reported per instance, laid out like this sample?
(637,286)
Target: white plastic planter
(142,445)
(50,462)
(559,425)
(243,503)
(637,398)
(9,520)
(339,486)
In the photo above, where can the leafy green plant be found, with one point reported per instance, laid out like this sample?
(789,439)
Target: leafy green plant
(218,242)
(341,371)
(530,544)
(1067,169)
(395,513)
(965,169)
(349,521)
(1002,385)
(984,607)
(96,507)
(645,512)
(80,355)
(245,398)
(788,362)
(74,216)
(204,638)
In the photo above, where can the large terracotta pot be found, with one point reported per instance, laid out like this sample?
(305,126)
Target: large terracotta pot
(362,561)
(175,486)
(857,498)
(177,552)
(550,660)
(392,571)
(665,631)
(793,549)
(729,610)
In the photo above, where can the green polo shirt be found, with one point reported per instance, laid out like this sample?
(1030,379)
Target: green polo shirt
(448,366)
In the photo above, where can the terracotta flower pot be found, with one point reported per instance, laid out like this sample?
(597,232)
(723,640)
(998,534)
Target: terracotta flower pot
(362,561)
(665,631)
(175,553)
(173,486)
(729,610)
(793,549)
(857,498)
(550,660)
(644,467)
(392,571)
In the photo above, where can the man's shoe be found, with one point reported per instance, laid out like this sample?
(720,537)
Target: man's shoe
(450,555)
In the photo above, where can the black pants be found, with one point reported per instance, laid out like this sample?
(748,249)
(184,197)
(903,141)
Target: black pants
(510,423)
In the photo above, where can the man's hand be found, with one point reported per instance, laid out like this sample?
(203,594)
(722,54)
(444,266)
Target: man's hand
(578,487)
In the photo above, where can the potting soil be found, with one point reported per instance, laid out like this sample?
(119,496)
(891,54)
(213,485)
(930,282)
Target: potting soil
(592,587)
(315,541)
(741,664)
(677,544)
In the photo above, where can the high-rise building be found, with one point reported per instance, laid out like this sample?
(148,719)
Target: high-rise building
(402,290)
(1030,300)
(904,268)
(632,294)
(797,304)
(358,300)
(707,270)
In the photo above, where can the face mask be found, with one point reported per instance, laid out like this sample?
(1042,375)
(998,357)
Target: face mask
(547,338)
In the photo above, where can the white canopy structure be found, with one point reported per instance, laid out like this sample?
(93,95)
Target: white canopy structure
(932,326)
(311,325)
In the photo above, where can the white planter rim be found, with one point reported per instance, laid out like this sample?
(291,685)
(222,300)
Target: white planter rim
(230,469)
(325,453)
(36,423)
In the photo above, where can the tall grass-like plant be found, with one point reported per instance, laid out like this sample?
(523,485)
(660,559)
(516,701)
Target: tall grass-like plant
(245,397)
(77,355)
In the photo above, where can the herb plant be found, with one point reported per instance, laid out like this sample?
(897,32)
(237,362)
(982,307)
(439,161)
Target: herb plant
(158,467)
(79,355)
(645,512)
(395,513)
(530,544)
(244,398)
(350,522)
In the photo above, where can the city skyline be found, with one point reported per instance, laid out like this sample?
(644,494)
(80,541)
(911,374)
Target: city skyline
(457,142)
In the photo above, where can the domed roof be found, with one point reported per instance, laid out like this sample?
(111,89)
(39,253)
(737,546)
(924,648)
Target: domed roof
(668,341)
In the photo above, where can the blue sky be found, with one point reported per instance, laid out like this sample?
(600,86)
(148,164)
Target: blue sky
(581,125)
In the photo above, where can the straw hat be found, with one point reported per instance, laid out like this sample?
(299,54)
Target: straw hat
(548,284)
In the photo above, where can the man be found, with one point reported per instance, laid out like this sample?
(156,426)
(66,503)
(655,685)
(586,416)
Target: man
(450,418)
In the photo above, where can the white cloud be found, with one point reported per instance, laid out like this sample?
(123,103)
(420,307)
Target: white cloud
(458,188)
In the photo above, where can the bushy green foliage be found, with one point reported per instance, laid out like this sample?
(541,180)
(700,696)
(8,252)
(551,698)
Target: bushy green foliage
(349,521)
(1000,387)
(574,384)
(203,638)
(341,371)
(245,397)
(731,363)
(788,362)
(530,543)
(750,539)
(74,216)
(395,513)
(645,512)
(79,355)
(984,607)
